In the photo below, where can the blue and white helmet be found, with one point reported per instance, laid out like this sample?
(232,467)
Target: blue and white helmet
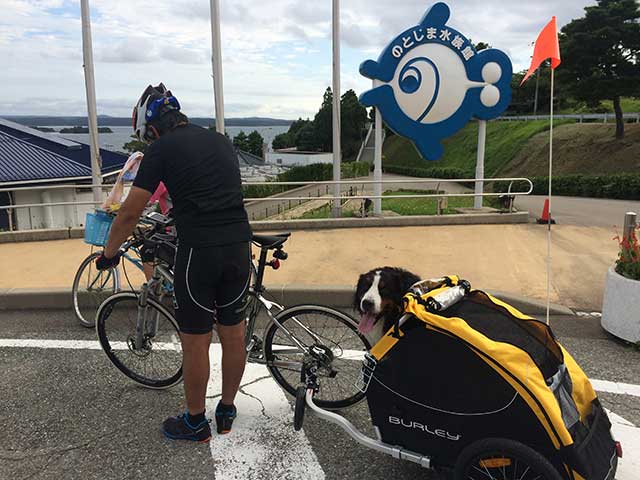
(153,104)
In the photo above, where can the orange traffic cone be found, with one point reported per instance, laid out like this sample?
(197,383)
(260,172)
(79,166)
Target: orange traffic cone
(545,214)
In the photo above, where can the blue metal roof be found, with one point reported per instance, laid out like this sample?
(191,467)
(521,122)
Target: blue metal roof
(78,152)
(22,161)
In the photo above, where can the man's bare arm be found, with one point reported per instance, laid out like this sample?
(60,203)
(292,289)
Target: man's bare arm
(127,219)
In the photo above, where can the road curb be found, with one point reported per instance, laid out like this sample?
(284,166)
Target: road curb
(316,224)
(335,296)
(406,221)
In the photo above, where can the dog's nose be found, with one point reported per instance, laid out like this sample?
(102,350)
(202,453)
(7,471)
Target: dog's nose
(366,305)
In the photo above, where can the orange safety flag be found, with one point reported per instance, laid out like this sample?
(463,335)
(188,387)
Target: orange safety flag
(547,46)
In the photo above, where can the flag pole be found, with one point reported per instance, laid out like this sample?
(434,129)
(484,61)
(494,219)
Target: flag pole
(549,198)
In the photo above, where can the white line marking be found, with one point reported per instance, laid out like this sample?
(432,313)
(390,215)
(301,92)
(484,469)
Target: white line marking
(263,439)
(78,344)
(616,387)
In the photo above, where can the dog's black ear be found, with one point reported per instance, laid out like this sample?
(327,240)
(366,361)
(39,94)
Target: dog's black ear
(360,289)
(408,279)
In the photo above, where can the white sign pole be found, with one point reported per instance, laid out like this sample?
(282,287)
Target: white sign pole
(377,164)
(482,138)
(336,108)
(92,115)
(216,64)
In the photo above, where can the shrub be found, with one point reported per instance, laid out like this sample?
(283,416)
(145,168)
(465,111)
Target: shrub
(316,172)
(624,186)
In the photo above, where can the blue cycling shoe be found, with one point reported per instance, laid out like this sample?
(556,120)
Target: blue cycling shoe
(179,428)
(225,415)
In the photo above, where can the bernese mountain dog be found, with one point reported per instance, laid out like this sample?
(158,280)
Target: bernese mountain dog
(378,299)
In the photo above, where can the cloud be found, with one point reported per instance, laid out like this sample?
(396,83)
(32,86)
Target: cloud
(276,54)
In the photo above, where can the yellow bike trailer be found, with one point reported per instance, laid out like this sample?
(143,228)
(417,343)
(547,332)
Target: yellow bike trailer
(465,382)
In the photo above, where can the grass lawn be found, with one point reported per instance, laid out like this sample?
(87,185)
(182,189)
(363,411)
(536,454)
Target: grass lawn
(504,141)
(408,206)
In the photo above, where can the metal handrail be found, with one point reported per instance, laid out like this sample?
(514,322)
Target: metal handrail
(311,183)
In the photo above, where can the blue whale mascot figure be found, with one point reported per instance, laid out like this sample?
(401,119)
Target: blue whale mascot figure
(430,81)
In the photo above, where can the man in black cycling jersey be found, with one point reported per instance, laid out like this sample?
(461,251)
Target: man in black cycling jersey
(213,263)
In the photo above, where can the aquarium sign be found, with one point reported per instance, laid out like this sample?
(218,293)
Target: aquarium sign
(430,81)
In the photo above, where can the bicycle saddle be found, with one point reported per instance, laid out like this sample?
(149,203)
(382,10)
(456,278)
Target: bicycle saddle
(271,241)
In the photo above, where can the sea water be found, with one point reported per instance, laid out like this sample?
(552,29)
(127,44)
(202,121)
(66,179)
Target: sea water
(115,141)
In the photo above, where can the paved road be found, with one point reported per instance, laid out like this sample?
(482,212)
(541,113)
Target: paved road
(589,212)
(66,412)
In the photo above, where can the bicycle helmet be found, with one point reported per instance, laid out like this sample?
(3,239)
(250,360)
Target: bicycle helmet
(153,104)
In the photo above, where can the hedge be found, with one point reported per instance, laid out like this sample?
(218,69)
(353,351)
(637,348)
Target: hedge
(623,186)
(446,173)
(316,172)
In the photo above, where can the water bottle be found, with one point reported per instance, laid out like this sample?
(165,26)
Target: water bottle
(449,297)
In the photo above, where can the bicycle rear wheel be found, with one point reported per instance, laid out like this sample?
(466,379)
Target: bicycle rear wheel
(90,288)
(330,333)
(157,362)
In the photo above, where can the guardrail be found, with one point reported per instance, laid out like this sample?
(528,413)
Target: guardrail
(307,183)
(49,218)
(581,117)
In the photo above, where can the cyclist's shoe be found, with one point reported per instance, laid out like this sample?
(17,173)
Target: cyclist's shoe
(179,428)
(225,417)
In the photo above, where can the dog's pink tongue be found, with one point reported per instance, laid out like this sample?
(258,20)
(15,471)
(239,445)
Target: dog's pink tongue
(366,323)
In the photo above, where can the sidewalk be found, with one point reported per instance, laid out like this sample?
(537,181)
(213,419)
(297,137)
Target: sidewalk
(508,258)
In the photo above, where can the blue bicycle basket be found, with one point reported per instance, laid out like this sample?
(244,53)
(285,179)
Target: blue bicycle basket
(97,227)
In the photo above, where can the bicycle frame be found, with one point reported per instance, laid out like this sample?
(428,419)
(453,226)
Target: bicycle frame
(146,327)
(161,274)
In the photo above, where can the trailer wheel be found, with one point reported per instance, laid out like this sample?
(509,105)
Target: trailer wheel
(503,459)
(298,412)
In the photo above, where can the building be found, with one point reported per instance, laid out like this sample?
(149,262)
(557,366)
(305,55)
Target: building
(31,161)
(255,169)
(290,157)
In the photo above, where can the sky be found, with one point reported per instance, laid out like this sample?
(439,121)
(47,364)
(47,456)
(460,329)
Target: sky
(276,54)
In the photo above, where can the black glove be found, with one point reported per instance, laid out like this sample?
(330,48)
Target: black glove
(104,263)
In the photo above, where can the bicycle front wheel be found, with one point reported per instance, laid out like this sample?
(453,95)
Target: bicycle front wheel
(322,330)
(90,288)
(152,358)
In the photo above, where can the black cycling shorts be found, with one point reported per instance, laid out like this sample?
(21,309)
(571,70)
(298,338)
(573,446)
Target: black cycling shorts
(211,284)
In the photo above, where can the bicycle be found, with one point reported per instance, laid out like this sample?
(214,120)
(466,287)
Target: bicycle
(92,286)
(140,335)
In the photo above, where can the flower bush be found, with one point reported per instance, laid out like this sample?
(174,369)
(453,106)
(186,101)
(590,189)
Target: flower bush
(628,263)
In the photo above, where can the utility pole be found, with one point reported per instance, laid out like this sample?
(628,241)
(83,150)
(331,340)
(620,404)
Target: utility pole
(337,208)
(216,64)
(92,115)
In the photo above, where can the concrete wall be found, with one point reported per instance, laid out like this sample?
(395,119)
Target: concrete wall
(62,216)
(291,159)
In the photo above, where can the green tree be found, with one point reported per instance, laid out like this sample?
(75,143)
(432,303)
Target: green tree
(308,139)
(601,55)
(282,140)
(255,143)
(323,122)
(135,145)
(241,141)
(353,118)
(295,129)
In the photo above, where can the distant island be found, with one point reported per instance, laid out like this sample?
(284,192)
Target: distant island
(85,130)
(44,129)
(105,120)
